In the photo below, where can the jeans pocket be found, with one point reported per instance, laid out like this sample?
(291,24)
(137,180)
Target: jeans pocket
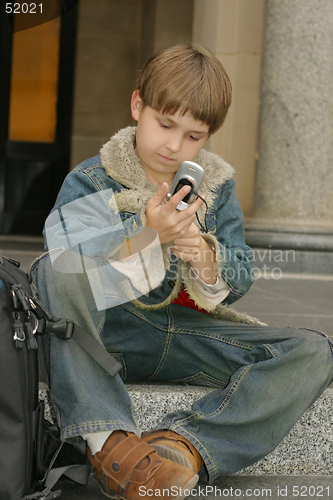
(120,358)
(201,378)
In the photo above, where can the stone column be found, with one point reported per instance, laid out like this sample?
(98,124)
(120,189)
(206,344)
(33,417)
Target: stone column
(233,31)
(294,185)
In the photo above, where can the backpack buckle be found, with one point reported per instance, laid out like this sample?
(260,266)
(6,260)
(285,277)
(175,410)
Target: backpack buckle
(63,328)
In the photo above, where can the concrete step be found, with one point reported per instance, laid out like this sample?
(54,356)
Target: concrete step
(306,450)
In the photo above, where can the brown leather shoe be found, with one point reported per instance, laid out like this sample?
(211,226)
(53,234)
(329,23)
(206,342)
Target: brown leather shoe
(129,468)
(171,445)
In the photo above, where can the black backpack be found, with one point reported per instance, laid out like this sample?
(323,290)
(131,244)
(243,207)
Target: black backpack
(32,457)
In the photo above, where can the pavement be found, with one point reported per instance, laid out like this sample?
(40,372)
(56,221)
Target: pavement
(279,298)
(296,300)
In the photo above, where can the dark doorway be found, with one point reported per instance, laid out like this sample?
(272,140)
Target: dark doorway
(36,88)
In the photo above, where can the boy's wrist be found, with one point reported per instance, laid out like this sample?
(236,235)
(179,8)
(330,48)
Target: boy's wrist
(203,264)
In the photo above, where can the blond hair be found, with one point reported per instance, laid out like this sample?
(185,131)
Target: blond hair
(190,79)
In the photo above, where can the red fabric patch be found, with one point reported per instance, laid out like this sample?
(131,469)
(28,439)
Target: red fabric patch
(183,299)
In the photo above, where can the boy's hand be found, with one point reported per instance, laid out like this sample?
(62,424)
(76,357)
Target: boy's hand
(165,219)
(195,250)
(188,247)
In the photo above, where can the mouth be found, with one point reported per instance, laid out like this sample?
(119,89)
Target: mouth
(166,159)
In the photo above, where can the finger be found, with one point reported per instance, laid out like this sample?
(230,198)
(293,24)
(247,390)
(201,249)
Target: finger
(190,211)
(177,197)
(186,245)
(193,230)
(185,239)
(182,242)
(184,249)
(183,225)
(190,233)
(183,254)
(194,207)
(159,196)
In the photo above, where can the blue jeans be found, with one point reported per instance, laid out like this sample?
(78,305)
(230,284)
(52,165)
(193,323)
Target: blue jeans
(265,377)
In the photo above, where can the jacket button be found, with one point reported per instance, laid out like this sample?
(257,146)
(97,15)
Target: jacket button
(171,283)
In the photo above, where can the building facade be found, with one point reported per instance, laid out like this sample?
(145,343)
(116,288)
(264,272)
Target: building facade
(278,133)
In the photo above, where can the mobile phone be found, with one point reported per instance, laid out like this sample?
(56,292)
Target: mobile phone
(188,174)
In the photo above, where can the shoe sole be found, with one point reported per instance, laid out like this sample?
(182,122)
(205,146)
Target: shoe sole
(189,486)
(173,454)
(110,493)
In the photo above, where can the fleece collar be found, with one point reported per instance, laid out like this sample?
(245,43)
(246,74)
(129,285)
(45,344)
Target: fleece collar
(121,163)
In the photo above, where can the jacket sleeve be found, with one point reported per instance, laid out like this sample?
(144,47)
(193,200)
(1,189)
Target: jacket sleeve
(233,257)
(225,222)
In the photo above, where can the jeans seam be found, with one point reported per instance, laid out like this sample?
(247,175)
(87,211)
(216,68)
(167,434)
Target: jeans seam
(235,343)
(322,335)
(198,446)
(166,348)
(233,389)
(171,321)
(274,352)
(217,383)
(163,357)
(100,327)
(145,319)
(92,176)
(35,262)
(77,430)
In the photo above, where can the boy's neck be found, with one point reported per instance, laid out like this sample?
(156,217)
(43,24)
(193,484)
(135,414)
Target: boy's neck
(158,179)
(155,177)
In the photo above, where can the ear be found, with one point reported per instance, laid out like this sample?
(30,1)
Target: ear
(136,105)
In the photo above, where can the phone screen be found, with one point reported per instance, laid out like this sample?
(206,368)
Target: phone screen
(181,183)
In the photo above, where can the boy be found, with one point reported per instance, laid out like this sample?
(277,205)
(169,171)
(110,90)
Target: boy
(181,329)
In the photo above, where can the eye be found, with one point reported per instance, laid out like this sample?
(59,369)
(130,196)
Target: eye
(193,138)
(163,125)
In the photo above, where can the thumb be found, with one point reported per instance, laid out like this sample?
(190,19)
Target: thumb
(159,196)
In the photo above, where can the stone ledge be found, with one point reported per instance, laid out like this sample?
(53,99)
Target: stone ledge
(306,450)
(292,261)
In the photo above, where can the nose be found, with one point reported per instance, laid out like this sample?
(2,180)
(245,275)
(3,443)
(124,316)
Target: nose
(174,142)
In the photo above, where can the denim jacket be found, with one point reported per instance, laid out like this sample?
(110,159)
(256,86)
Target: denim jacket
(118,171)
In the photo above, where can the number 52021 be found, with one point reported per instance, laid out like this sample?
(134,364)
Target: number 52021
(23,8)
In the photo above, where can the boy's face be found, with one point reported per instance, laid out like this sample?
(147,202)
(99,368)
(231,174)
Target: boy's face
(163,142)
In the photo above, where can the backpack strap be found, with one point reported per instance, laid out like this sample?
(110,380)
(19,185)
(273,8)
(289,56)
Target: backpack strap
(65,329)
(46,494)
(78,472)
